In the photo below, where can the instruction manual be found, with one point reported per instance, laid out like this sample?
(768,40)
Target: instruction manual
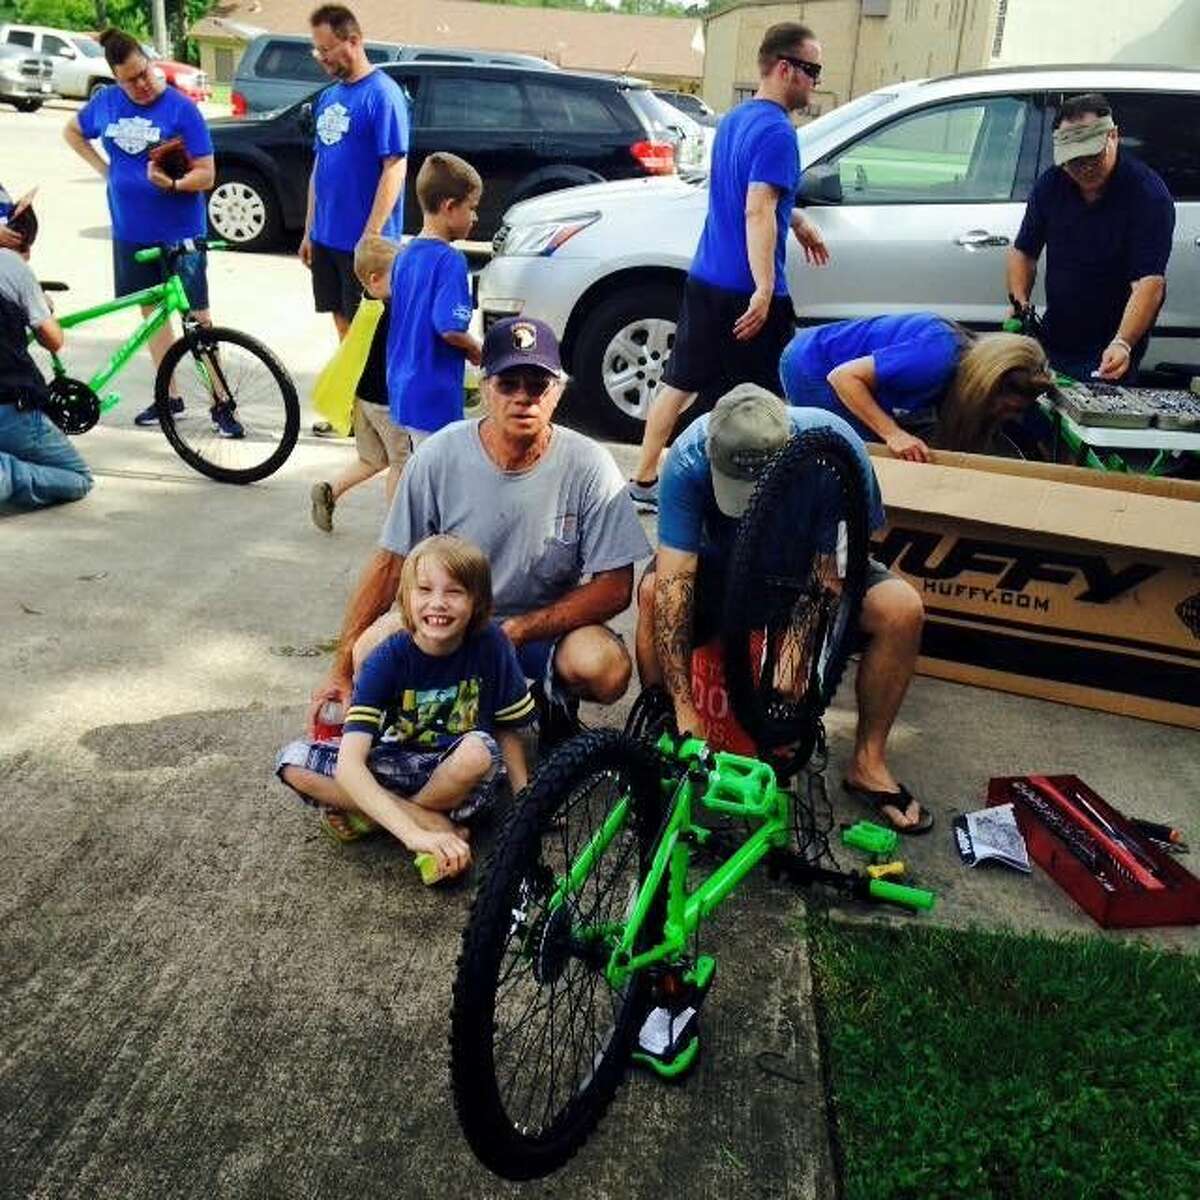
(991,833)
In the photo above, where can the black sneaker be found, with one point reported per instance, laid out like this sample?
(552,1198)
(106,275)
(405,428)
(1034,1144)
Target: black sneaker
(149,415)
(228,426)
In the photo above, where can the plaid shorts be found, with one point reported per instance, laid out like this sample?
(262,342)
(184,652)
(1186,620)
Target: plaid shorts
(398,768)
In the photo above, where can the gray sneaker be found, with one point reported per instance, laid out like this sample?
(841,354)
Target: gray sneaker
(322,506)
(644,496)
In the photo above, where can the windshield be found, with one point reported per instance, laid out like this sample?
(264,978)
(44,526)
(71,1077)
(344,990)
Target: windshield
(88,47)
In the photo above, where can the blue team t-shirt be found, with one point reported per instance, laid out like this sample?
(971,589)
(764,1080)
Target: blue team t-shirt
(142,213)
(755,143)
(431,295)
(357,126)
(688,516)
(1095,251)
(916,355)
(427,702)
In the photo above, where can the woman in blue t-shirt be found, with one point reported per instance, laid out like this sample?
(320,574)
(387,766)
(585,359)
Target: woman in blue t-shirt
(869,371)
(151,204)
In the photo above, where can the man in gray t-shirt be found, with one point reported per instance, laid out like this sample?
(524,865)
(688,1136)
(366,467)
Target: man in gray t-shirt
(547,506)
(38,465)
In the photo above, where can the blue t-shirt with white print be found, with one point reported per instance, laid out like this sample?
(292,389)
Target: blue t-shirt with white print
(142,213)
(755,143)
(357,126)
(431,295)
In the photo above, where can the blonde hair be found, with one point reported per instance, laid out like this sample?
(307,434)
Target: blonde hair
(444,176)
(464,562)
(373,255)
(992,366)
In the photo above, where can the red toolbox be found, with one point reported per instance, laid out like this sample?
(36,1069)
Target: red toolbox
(1094,853)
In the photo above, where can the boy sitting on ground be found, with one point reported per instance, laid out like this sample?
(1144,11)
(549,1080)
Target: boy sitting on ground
(432,726)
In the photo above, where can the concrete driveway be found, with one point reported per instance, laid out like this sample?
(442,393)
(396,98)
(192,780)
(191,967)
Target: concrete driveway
(200,996)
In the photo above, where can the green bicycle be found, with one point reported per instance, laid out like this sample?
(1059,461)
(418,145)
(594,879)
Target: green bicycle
(586,921)
(241,415)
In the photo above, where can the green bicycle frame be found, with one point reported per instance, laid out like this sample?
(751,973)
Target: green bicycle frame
(167,298)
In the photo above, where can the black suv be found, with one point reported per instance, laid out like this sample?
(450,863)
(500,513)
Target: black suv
(526,131)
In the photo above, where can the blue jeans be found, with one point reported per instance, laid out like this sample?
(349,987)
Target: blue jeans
(38,464)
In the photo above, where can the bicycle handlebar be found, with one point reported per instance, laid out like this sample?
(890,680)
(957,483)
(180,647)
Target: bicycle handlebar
(154,253)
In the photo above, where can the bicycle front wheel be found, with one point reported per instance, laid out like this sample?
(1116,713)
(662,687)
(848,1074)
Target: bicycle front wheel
(240,416)
(539,1039)
(794,592)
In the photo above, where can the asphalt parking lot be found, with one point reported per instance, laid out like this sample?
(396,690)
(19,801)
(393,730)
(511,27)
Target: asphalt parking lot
(200,996)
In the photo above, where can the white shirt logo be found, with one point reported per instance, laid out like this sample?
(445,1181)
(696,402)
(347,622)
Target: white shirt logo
(333,124)
(133,134)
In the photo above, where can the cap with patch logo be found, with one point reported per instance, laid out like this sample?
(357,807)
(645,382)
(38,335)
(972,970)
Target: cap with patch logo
(747,428)
(520,342)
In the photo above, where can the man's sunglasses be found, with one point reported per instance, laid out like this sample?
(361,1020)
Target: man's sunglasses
(533,384)
(812,70)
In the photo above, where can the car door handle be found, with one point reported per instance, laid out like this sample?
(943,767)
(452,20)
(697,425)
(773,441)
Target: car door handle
(974,238)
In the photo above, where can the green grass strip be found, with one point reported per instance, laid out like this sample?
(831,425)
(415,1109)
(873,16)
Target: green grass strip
(969,1065)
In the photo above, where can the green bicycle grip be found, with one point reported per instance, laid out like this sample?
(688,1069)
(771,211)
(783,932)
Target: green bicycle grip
(897,893)
(148,254)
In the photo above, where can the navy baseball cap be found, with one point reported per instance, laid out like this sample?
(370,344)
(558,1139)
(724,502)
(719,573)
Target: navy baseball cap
(520,342)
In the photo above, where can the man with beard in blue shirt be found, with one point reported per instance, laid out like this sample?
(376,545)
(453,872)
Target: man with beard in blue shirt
(357,182)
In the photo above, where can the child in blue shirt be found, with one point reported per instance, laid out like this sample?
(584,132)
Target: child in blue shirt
(430,292)
(432,726)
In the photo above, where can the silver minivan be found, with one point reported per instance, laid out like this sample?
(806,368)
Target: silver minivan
(919,189)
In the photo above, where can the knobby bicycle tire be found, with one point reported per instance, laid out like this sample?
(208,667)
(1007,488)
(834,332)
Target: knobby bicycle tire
(272,421)
(526,971)
(771,594)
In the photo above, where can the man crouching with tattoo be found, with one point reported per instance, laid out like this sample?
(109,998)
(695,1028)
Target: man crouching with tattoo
(706,484)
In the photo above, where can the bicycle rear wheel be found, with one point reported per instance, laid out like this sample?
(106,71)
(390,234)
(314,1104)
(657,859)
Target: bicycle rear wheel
(539,1039)
(794,592)
(228,381)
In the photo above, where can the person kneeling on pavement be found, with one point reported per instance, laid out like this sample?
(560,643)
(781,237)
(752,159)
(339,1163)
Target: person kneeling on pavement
(38,464)
(432,727)
(548,508)
(706,485)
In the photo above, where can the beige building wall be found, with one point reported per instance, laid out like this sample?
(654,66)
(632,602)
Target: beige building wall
(1099,31)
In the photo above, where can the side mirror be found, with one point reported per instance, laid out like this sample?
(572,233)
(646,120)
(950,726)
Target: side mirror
(821,184)
(307,125)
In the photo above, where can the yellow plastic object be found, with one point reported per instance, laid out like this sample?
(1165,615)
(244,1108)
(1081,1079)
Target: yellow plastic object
(892,870)
(427,868)
(333,392)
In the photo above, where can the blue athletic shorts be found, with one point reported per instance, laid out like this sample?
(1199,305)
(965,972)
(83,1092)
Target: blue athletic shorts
(129,275)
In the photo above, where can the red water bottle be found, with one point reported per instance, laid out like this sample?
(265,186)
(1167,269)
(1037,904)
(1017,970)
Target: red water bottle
(330,718)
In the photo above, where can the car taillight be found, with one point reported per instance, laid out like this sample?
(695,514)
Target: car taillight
(656,158)
(238,105)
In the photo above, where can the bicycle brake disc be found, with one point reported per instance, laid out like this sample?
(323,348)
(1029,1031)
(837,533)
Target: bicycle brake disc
(72,405)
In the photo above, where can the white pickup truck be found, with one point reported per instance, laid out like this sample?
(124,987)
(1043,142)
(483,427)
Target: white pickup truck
(26,78)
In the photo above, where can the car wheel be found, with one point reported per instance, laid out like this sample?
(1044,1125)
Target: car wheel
(622,350)
(27,105)
(243,211)
(97,85)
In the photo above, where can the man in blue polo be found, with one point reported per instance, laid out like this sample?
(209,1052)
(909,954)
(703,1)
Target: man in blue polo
(1105,221)
(357,181)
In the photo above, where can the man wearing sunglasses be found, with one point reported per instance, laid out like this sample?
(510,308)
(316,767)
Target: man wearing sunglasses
(546,505)
(737,316)
(1106,222)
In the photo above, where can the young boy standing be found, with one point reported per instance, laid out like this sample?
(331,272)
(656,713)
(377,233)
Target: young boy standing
(430,289)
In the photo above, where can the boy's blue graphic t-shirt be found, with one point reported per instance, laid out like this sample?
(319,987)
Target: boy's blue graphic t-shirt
(142,213)
(916,356)
(688,516)
(755,143)
(431,295)
(357,126)
(427,702)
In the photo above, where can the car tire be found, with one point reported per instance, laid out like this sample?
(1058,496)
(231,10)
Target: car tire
(620,355)
(97,85)
(243,211)
(27,105)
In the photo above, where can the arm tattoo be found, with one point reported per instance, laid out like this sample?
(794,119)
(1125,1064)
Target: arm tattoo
(674,607)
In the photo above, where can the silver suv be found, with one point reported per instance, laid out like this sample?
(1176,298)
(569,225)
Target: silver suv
(26,79)
(919,189)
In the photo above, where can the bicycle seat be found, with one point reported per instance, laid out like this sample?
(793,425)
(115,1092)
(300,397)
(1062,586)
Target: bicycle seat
(54,285)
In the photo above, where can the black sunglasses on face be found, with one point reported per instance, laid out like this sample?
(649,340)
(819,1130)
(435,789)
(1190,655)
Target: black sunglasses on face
(812,70)
(533,385)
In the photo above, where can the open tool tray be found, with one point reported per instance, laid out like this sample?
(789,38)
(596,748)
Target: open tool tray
(1103,405)
(1133,885)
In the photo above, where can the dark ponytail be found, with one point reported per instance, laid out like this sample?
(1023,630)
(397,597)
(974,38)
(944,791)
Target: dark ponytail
(119,46)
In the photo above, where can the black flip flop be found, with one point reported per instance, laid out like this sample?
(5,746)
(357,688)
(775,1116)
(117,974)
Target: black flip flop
(899,800)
